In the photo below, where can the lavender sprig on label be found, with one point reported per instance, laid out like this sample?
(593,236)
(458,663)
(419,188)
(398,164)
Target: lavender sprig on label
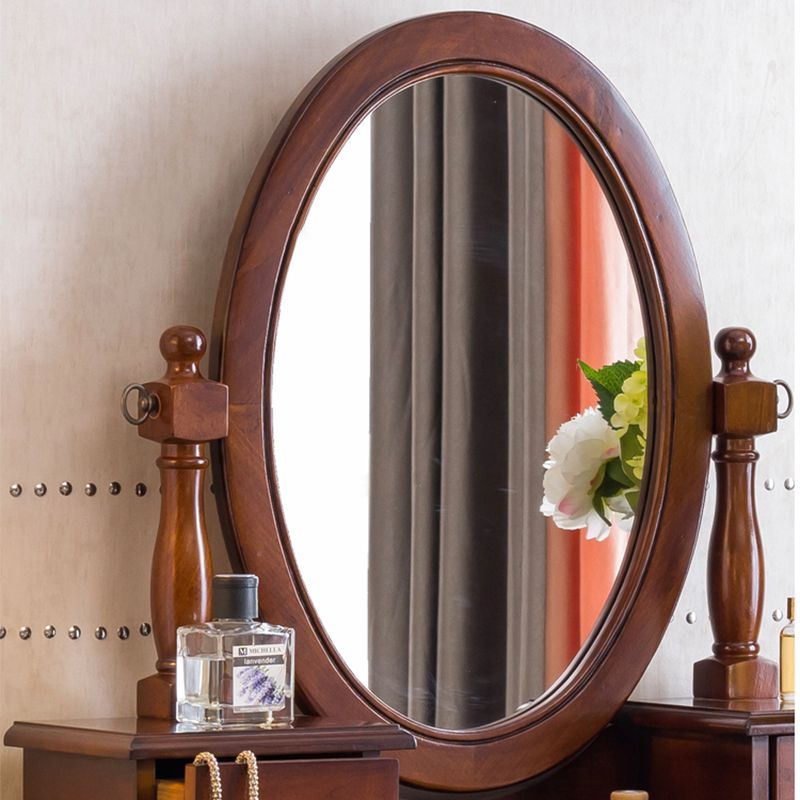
(257,688)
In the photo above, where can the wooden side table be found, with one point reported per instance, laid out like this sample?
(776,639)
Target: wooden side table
(704,749)
(125,758)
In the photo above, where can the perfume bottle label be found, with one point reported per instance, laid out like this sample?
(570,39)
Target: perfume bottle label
(259,676)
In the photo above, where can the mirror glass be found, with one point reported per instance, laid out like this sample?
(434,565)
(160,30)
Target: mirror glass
(459,401)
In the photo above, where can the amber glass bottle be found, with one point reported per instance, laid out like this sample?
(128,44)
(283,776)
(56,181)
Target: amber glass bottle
(787,655)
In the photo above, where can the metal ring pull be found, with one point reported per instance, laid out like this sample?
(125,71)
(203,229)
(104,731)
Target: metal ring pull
(147,403)
(789,397)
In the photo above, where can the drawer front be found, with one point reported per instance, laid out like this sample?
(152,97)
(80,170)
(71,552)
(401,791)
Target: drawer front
(783,768)
(323,779)
(708,767)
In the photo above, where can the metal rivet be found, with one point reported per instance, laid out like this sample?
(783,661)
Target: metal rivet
(49,632)
(145,629)
(100,633)
(25,633)
(769,484)
(74,632)
(90,489)
(789,484)
(40,490)
(65,488)
(691,618)
(15,490)
(777,615)
(123,632)
(141,489)
(114,488)
(2,632)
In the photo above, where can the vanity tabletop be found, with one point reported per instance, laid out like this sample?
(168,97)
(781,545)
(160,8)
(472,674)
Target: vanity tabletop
(738,717)
(136,739)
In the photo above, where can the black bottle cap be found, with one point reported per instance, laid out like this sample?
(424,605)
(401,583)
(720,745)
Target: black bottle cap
(234,597)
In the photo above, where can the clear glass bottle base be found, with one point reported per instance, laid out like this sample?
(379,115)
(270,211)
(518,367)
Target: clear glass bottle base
(219,716)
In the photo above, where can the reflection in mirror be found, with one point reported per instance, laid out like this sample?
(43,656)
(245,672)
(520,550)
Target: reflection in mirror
(458,260)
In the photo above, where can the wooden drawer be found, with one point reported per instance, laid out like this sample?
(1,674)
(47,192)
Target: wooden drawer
(319,779)
(783,768)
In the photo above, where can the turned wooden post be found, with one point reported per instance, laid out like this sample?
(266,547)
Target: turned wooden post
(744,407)
(182,411)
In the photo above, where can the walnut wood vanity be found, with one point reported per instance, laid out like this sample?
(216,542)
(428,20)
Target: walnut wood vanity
(673,748)
(435,727)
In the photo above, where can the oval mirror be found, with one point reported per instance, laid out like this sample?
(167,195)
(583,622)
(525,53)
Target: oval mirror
(478,263)
(453,245)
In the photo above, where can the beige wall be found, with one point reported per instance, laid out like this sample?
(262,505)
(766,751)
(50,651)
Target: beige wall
(129,130)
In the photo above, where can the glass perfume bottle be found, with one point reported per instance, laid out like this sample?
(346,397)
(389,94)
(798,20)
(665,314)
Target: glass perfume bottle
(787,655)
(235,671)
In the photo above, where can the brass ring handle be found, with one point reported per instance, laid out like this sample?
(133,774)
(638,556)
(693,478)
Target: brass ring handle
(147,403)
(789,397)
(248,757)
(210,760)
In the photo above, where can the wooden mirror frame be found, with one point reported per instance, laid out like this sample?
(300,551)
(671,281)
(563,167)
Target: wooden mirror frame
(625,638)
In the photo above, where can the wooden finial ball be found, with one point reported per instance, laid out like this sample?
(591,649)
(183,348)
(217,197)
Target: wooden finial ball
(191,408)
(735,346)
(182,343)
(744,405)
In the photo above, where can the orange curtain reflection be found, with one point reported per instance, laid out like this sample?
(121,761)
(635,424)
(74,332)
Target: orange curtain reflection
(593,314)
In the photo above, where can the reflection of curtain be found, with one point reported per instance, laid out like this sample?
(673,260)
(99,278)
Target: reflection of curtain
(456,540)
(461,582)
(592,314)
